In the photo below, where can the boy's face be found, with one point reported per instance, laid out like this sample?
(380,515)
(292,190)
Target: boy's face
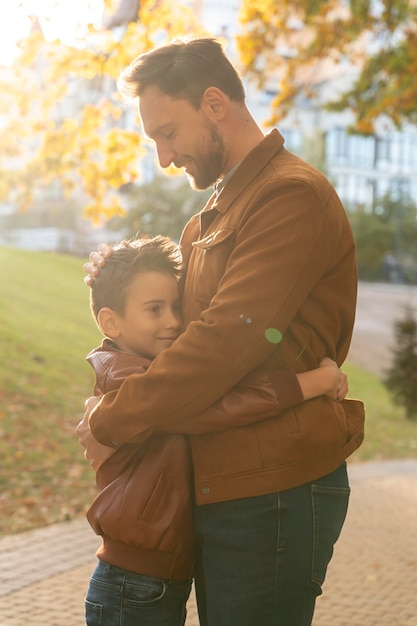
(152,316)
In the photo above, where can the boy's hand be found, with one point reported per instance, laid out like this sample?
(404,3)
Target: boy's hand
(97,260)
(339,381)
(95,452)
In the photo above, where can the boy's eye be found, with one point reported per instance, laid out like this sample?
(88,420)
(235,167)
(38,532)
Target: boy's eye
(170,135)
(154,309)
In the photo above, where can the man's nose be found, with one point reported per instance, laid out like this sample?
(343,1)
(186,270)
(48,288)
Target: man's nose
(165,155)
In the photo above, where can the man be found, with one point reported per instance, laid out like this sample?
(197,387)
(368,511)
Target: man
(270,280)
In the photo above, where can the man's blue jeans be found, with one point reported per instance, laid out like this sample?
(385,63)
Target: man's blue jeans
(262,560)
(119,598)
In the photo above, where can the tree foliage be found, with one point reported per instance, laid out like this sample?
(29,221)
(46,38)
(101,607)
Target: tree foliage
(303,42)
(391,226)
(163,205)
(61,117)
(295,44)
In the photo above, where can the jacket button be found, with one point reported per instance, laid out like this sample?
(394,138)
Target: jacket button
(205,490)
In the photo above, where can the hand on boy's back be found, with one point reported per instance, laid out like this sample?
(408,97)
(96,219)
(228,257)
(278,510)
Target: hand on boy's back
(95,452)
(97,260)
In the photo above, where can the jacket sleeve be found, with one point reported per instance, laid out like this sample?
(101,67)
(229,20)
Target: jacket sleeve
(256,397)
(258,394)
(278,257)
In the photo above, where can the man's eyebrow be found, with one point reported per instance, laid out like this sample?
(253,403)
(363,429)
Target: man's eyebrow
(158,130)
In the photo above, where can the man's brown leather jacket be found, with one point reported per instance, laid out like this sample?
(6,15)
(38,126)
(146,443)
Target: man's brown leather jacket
(270,282)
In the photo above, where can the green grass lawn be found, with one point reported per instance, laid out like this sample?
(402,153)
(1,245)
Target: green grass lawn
(388,435)
(46,330)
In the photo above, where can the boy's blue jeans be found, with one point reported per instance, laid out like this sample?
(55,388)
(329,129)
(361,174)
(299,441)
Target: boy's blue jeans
(262,560)
(119,598)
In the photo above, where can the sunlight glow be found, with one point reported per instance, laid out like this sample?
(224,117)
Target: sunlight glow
(65,20)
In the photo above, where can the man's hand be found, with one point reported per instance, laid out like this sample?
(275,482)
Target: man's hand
(95,452)
(340,385)
(97,260)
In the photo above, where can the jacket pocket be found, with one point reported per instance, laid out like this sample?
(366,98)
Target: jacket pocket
(210,258)
(155,506)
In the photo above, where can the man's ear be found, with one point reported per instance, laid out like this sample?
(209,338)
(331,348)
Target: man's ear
(214,102)
(108,320)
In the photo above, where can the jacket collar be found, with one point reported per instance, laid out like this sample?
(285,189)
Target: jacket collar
(248,169)
(241,177)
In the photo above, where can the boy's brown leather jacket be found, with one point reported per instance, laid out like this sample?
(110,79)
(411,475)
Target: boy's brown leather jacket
(270,281)
(143,511)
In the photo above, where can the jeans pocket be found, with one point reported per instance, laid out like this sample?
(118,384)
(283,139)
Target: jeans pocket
(93,613)
(143,590)
(330,503)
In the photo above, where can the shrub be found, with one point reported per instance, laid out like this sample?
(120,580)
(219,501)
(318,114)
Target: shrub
(401,378)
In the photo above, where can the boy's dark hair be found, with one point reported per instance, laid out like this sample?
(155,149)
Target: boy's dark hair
(183,70)
(128,259)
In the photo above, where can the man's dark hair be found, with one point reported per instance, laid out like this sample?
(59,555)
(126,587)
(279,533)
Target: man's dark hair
(128,259)
(183,70)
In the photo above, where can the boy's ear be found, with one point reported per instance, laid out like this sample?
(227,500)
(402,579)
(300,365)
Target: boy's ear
(108,321)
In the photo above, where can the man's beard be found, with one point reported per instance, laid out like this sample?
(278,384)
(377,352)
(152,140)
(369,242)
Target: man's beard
(209,162)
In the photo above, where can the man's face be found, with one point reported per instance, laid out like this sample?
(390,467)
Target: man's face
(183,136)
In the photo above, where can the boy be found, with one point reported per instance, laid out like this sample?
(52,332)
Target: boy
(144,511)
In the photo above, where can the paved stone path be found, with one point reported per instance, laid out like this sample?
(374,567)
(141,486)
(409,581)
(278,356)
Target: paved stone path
(371,580)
